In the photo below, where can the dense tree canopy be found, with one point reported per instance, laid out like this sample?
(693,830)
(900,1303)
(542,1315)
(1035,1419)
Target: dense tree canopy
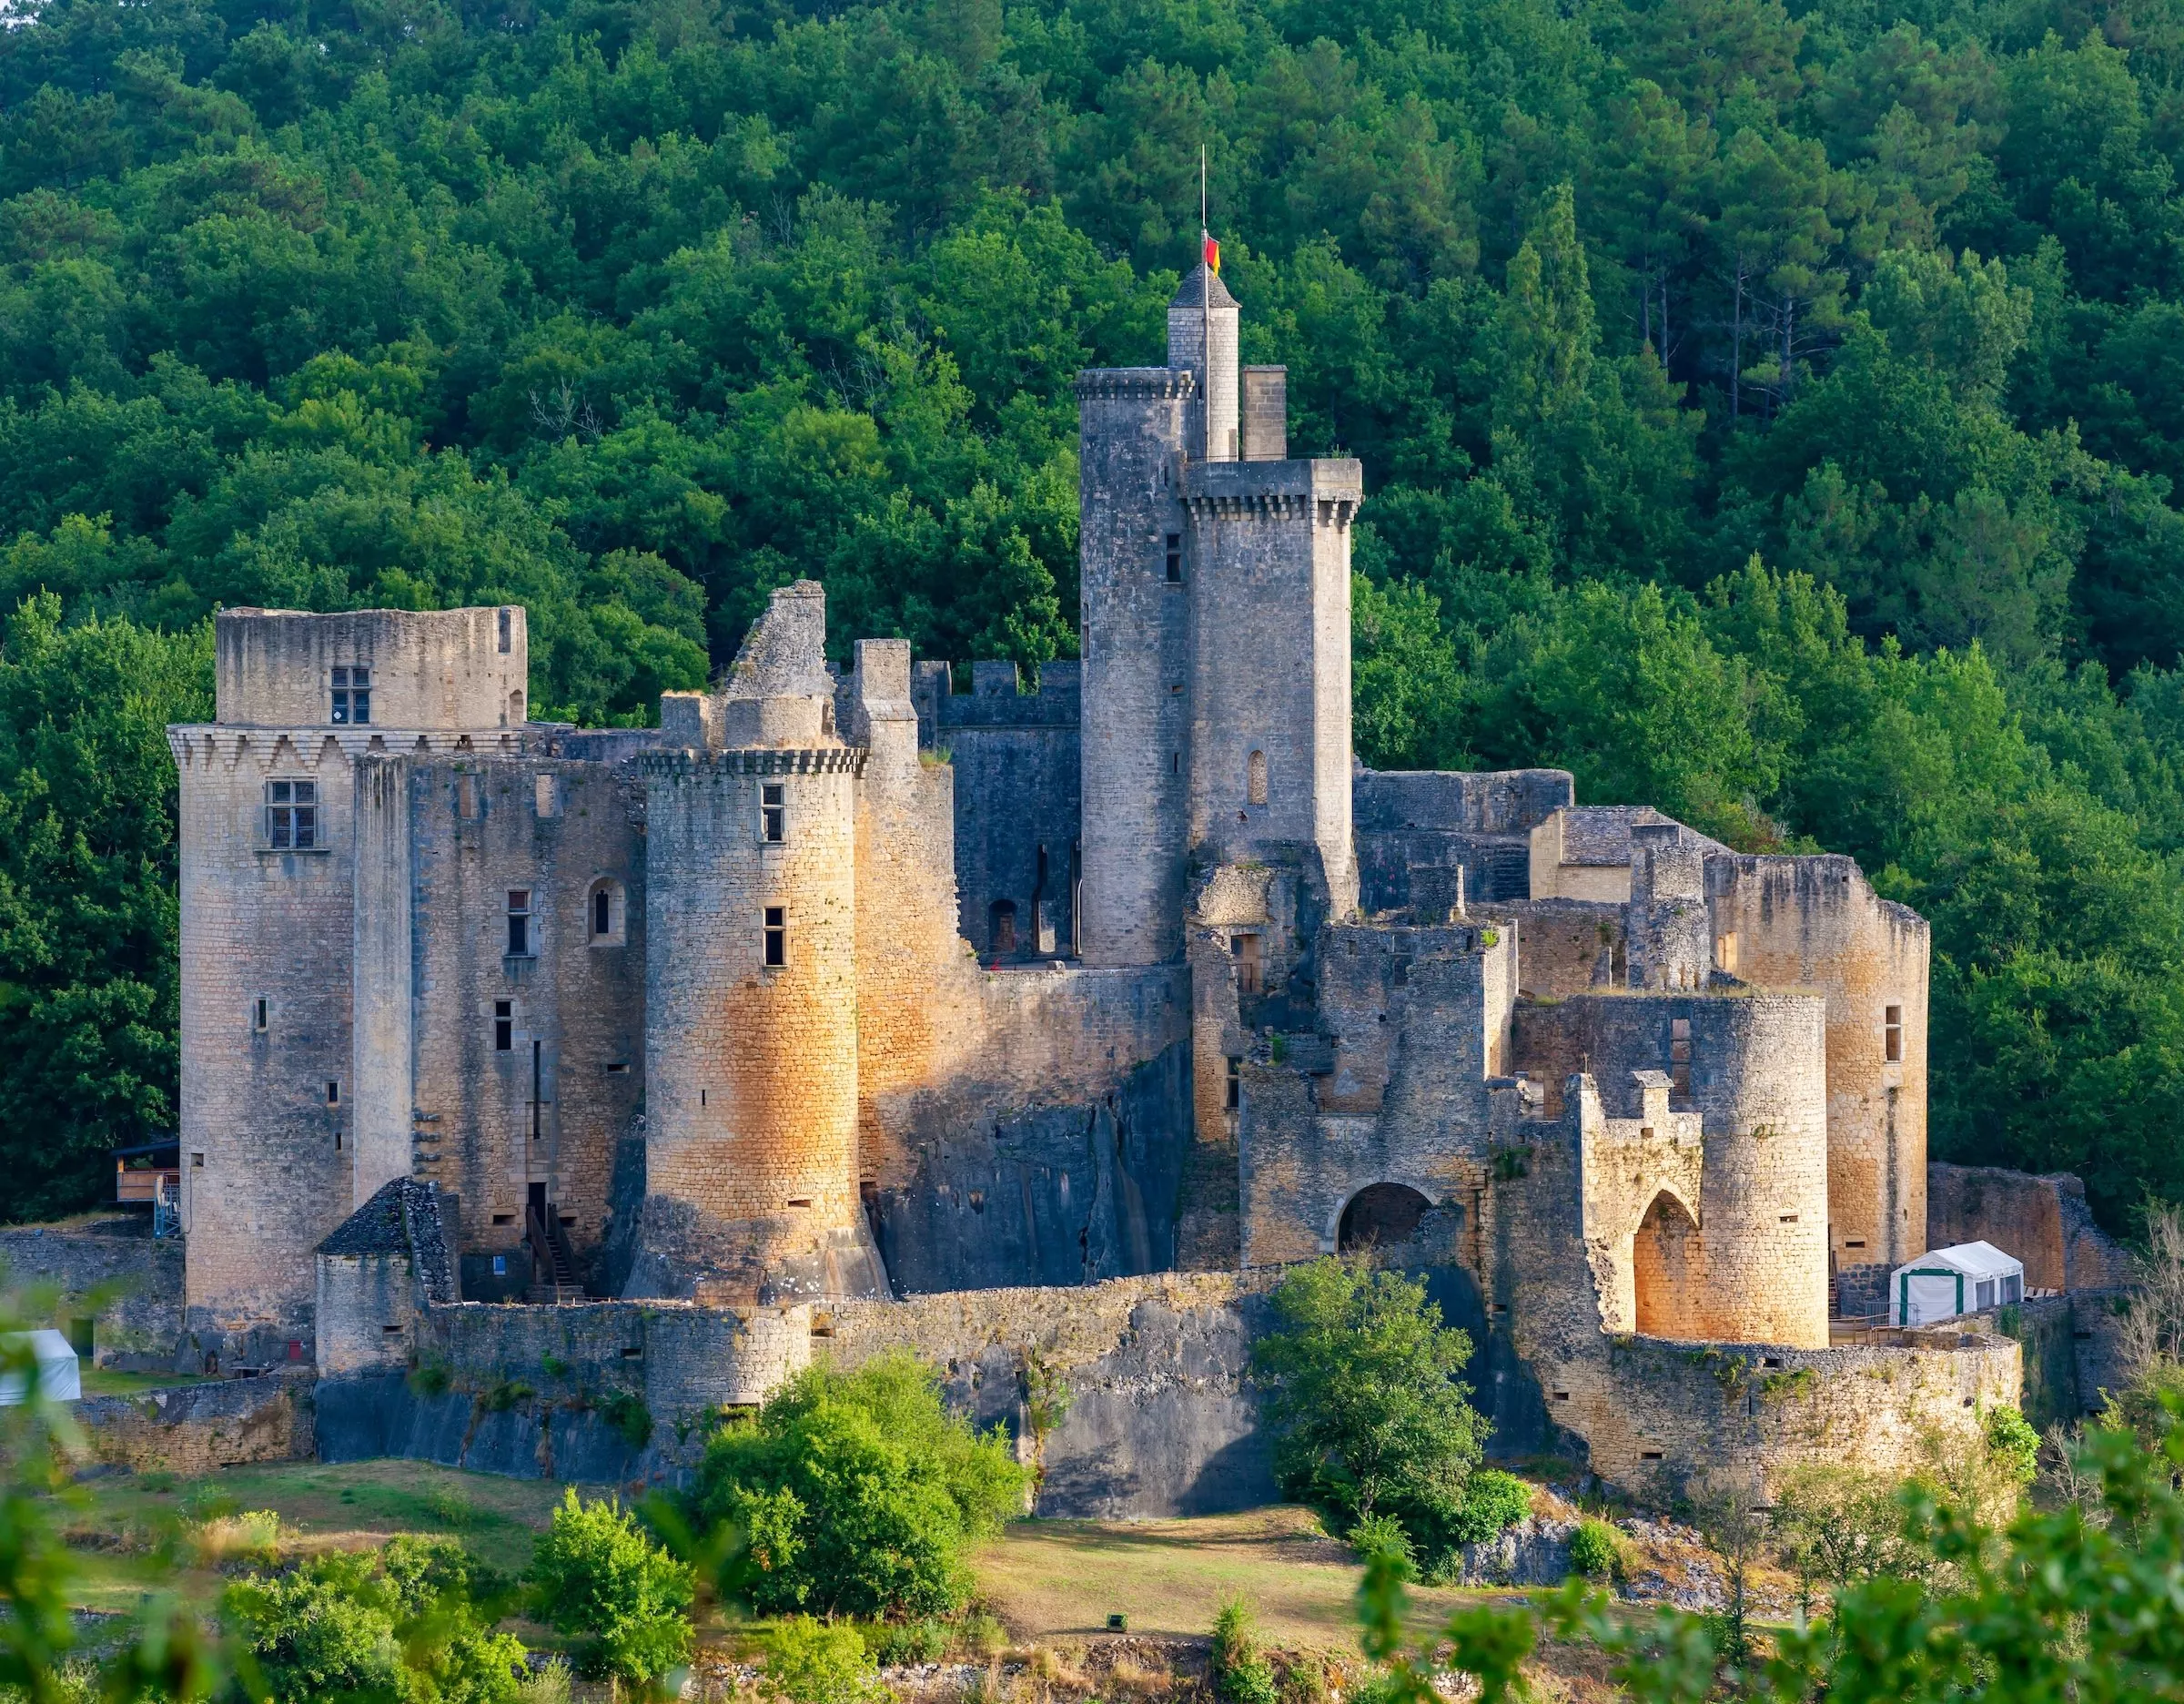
(1773,408)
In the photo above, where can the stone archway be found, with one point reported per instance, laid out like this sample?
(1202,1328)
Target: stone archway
(1381,1215)
(1666,1269)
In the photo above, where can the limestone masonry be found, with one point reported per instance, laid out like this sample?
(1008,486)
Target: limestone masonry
(846,987)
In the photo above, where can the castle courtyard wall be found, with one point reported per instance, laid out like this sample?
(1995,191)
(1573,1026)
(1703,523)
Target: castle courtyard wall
(559,830)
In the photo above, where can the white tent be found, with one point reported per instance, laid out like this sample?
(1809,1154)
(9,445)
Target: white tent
(1941,1284)
(58,1379)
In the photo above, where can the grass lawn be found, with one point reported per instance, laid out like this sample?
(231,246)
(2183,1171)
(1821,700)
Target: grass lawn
(98,1381)
(1055,1578)
(352,1506)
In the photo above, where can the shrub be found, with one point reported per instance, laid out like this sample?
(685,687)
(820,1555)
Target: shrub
(401,1623)
(626,1413)
(1240,1669)
(2013,1446)
(893,1643)
(858,1494)
(1596,1550)
(599,1577)
(1492,1502)
(1368,1415)
(1383,1536)
(810,1662)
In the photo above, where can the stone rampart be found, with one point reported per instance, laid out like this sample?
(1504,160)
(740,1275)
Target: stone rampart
(138,1323)
(2042,1220)
(1162,1420)
(194,1428)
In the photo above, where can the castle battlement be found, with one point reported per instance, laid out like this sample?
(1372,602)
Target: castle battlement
(1164,384)
(696,766)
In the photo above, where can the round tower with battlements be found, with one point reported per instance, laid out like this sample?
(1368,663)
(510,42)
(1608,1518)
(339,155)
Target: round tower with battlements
(751,988)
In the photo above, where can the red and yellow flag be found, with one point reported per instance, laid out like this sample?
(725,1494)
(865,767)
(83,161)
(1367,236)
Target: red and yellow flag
(1213,257)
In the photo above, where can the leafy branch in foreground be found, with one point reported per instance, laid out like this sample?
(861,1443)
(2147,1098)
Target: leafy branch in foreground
(2062,1604)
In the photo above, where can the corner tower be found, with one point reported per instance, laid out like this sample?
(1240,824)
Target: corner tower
(751,988)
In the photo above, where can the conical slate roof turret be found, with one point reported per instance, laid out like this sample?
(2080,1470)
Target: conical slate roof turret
(1192,292)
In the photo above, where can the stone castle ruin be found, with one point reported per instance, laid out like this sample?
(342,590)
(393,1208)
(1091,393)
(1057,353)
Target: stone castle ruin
(845,1006)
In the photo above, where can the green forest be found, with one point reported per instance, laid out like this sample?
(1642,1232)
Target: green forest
(1771,412)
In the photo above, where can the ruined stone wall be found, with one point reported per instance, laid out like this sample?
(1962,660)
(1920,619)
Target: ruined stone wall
(1415,1021)
(681,1357)
(1434,820)
(367,1313)
(1816,923)
(430,668)
(193,1429)
(1017,762)
(139,1322)
(561,831)
(1162,1418)
(1566,946)
(2043,1220)
(1131,427)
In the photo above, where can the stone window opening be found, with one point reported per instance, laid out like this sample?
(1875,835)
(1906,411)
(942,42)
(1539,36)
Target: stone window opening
(520,941)
(504,1026)
(292,815)
(515,709)
(1679,1056)
(1175,559)
(507,631)
(1001,930)
(606,913)
(1233,1101)
(1892,1035)
(1255,778)
(333,1092)
(774,811)
(775,931)
(258,1014)
(1244,949)
(352,697)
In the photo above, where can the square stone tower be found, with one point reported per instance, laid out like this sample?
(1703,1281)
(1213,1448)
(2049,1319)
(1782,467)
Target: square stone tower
(1215,611)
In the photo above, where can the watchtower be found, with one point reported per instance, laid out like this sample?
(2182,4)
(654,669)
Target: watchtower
(751,988)
(1216,587)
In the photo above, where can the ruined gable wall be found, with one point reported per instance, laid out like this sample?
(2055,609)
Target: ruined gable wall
(1817,923)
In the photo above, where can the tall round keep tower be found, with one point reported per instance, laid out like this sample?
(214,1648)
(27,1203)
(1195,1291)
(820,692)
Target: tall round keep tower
(751,988)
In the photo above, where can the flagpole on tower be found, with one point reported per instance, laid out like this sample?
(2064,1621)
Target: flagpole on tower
(1205,321)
